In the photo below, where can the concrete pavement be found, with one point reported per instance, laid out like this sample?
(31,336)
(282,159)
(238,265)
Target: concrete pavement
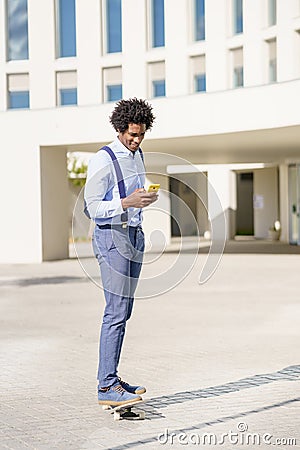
(220,358)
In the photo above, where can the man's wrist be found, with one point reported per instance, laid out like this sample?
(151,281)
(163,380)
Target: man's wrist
(124,204)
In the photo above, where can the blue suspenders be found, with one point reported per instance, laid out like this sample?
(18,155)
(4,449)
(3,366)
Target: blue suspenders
(120,180)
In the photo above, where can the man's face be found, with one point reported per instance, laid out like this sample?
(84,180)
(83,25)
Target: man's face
(133,136)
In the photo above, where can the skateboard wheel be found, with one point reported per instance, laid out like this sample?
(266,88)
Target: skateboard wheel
(105,407)
(142,415)
(117,416)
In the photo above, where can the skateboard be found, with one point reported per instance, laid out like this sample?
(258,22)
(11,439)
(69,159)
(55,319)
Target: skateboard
(125,411)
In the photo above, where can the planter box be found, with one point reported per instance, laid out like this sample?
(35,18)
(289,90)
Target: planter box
(273,235)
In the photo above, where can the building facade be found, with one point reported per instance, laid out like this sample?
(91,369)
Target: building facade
(223,77)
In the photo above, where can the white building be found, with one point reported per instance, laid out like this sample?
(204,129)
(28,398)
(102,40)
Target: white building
(223,77)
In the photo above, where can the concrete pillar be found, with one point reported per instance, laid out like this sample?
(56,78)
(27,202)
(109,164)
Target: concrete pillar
(55,204)
(283,203)
(221,187)
(20,235)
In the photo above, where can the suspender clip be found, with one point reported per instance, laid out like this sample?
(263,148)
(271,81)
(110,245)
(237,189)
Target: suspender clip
(124,219)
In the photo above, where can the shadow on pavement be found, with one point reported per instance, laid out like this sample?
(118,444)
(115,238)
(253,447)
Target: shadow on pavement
(261,246)
(24,282)
(243,247)
(187,245)
(151,407)
(223,419)
(290,373)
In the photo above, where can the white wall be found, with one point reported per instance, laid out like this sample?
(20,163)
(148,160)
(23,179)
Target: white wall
(221,181)
(156,223)
(216,48)
(176,30)
(134,48)
(20,226)
(253,44)
(287,45)
(265,184)
(88,30)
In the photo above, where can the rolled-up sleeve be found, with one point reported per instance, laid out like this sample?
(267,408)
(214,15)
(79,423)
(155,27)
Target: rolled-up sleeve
(101,192)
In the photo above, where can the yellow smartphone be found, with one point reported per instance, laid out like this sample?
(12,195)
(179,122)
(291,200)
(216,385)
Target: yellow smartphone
(153,187)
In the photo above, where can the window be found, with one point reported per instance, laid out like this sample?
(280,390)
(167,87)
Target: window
(199,73)
(112,79)
(237,16)
(238,67)
(159,88)
(238,77)
(66,28)
(272,12)
(157,83)
(158,23)
(68,96)
(113,26)
(18,91)
(199,20)
(200,82)
(114,92)
(66,88)
(17,30)
(272,61)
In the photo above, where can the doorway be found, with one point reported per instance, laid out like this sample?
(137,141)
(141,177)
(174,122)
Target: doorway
(244,211)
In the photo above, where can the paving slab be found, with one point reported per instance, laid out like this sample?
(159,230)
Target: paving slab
(220,360)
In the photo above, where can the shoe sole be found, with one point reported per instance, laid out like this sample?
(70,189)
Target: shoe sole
(141,391)
(110,403)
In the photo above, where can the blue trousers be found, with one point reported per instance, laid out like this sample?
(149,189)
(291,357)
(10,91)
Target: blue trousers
(120,253)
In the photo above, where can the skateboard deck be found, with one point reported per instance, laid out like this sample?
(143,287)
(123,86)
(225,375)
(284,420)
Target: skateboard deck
(125,411)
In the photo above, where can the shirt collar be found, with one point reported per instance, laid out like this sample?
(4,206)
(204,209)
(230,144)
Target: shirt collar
(124,149)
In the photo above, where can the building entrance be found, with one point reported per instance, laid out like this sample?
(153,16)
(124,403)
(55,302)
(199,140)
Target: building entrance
(244,211)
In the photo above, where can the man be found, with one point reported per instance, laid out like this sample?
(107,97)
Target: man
(114,197)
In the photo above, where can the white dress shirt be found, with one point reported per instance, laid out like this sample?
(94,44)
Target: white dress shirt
(101,190)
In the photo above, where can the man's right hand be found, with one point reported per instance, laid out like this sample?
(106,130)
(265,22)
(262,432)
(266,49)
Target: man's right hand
(139,199)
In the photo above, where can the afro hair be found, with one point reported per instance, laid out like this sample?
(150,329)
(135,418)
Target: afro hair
(131,111)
